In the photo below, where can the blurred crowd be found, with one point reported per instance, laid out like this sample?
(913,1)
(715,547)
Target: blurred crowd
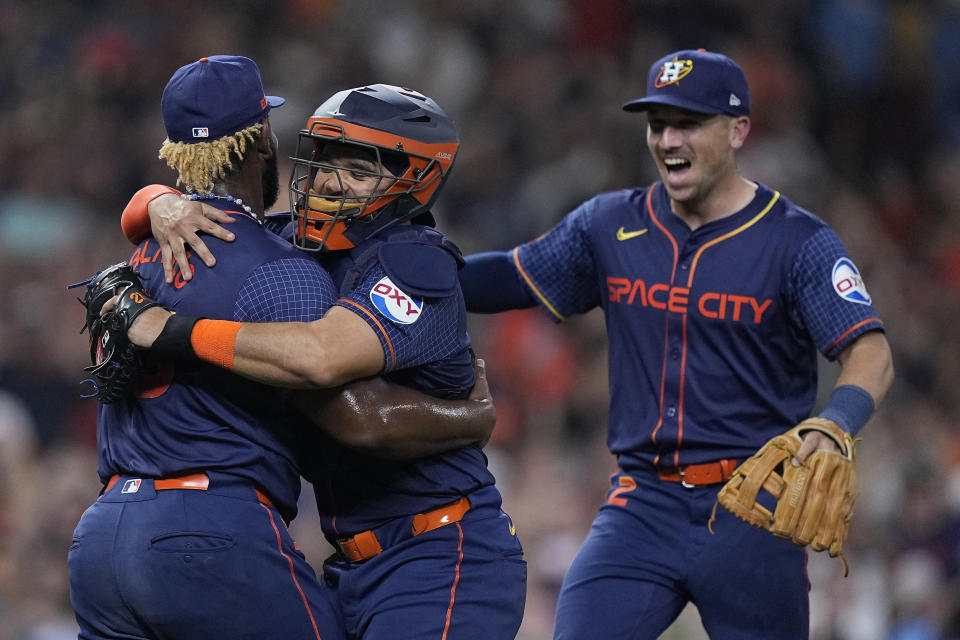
(856,116)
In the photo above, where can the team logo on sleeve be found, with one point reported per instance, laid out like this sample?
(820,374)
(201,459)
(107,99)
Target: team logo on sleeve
(847,282)
(394,303)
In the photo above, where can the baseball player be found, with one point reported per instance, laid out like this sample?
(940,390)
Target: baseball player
(718,292)
(201,469)
(422,546)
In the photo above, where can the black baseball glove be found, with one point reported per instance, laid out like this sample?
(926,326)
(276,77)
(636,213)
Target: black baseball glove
(115,361)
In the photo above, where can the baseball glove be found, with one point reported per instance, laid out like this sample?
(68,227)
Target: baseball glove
(115,361)
(814,502)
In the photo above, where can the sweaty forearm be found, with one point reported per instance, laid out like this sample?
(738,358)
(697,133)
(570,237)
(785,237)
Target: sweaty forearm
(392,421)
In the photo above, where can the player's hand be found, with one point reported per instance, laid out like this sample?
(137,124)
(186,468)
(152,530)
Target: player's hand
(481,393)
(812,441)
(175,222)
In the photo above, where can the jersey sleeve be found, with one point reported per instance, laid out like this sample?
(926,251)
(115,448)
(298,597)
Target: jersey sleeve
(830,297)
(560,267)
(285,290)
(413,330)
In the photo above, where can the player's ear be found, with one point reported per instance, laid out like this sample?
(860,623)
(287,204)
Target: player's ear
(266,142)
(739,128)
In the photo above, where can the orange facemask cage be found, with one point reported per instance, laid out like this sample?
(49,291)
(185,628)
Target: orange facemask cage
(337,222)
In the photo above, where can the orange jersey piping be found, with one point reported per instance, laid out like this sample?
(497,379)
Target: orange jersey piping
(383,331)
(456,581)
(526,278)
(293,573)
(851,330)
(666,334)
(743,227)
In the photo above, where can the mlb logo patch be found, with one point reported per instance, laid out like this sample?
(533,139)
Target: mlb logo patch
(847,282)
(201,132)
(394,303)
(131,486)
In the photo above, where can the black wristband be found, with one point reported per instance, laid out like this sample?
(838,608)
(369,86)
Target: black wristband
(174,341)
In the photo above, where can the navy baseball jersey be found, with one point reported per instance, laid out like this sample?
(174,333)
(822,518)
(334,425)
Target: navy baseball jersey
(467,577)
(403,283)
(187,539)
(231,424)
(713,332)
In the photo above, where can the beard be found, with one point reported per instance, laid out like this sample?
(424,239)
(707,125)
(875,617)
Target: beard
(271,182)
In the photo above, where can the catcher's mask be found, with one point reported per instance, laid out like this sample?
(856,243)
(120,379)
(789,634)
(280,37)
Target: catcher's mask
(408,144)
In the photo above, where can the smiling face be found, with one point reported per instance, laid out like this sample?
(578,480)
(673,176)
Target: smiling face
(350,173)
(694,152)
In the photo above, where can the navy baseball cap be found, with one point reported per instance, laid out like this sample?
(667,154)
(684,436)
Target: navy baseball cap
(697,80)
(214,97)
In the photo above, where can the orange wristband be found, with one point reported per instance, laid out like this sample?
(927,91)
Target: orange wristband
(135,220)
(213,341)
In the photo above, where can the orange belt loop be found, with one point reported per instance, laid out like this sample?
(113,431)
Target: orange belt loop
(423,522)
(366,545)
(362,546)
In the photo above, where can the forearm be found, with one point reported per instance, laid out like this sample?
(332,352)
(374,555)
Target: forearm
(285,354)
(391,421)
(865,378)
(868,363)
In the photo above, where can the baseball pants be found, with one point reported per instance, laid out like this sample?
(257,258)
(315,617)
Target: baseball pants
(193,565)
(463,581)
(649,552)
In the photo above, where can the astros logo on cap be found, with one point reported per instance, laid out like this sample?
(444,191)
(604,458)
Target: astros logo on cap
(673,71)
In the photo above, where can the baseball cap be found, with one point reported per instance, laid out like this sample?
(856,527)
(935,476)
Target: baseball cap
(697,80)
(214,97)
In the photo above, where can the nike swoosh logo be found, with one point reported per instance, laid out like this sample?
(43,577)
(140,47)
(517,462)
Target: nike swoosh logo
(626,235)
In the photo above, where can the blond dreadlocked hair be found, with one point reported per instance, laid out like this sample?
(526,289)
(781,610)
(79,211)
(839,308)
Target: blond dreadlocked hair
(198,164)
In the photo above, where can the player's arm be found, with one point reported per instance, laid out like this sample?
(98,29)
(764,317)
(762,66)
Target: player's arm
(867,363)
(491,283)
(557,271)
(834,306)
(159,210)
(866,375)
(325,353)
(393,421)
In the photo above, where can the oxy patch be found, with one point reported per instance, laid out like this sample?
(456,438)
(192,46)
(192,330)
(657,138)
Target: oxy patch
(393,303)
(847,282)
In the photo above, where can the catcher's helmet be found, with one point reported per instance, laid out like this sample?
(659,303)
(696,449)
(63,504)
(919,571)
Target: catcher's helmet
(405,134)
